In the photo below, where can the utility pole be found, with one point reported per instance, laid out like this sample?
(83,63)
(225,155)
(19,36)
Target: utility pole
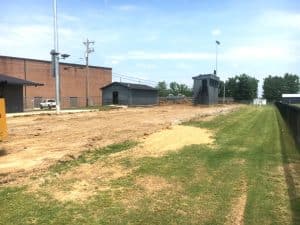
(88,50)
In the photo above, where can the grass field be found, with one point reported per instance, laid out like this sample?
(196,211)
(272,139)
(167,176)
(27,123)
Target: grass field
(249,175)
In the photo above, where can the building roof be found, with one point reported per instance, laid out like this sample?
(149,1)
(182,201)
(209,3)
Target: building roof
(61,63)
(290,95)
(17,81)
(205,76)
(132,86)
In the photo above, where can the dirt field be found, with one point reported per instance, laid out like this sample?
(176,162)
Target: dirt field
(38,141)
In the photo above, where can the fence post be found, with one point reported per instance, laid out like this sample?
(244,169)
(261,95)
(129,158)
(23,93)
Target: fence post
(3,126)
(297,122)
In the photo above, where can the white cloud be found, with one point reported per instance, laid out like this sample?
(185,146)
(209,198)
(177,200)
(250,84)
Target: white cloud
(126,8)
(216,32)
(141,55)
(151,37)
(33,41)
(257,53)
(146,66)
(68,18)
(183,66)
(281,19)
(276,52)
(114,62)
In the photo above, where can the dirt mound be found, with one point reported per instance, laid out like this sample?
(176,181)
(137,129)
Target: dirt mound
(172,139)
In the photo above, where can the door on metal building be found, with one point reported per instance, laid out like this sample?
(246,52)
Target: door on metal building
(115,97)
(204,88)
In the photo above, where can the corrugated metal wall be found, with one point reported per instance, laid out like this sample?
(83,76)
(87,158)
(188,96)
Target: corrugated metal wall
(144,97)
(123,95)
(128,96)
(13,95)
(205,91)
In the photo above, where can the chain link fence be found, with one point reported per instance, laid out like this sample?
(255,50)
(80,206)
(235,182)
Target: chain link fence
(291,115)
(33,103)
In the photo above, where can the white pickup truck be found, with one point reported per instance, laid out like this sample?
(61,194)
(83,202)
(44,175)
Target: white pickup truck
(48,103)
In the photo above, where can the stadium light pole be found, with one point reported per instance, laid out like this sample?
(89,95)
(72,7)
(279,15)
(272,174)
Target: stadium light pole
(56,58)
(217,44)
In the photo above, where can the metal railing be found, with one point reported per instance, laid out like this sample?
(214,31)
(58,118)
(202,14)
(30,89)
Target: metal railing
(291,115)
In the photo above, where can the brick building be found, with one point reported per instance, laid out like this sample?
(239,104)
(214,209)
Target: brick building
(73,81)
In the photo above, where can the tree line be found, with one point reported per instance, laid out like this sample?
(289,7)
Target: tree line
(244,87)
(174,88)
(275,86)
(241,87)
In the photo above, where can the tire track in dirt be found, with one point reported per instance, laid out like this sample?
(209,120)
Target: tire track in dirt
(236,216)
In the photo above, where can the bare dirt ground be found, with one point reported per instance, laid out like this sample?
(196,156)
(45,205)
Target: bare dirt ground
(99,175)
(38,141)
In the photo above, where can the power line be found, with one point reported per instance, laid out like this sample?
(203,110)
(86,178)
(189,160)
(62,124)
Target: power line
(127,79)
(133,78)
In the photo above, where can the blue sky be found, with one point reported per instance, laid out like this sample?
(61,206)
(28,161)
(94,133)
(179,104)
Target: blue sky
(169,40)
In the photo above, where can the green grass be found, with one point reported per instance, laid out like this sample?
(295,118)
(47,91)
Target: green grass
(203,183)
(92,156)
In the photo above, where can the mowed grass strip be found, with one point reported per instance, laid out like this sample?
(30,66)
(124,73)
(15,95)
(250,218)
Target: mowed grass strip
(238,181)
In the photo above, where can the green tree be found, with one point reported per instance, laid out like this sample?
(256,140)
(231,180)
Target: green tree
(162,89)
(184,90)
(221,89)
(242,87)
(228,89)
(246,88)
(230,86)
(275,86)
(174,88)
(291,83)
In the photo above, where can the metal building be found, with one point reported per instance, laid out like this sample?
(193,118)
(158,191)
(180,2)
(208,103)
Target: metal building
(291,98)
(129,94)
(11,89)
(206,89)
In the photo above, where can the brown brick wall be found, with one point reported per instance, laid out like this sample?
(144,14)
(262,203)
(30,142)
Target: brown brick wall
(73,79)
